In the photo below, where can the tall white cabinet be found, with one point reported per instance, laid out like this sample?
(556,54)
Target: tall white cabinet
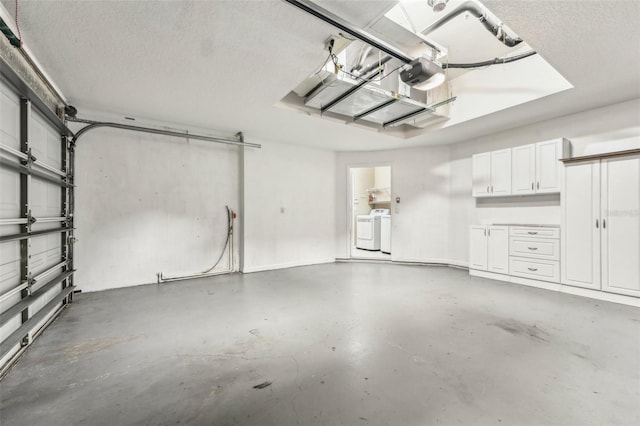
(601,223)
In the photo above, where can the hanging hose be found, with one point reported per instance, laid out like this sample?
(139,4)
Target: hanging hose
(226,243)
(207,273)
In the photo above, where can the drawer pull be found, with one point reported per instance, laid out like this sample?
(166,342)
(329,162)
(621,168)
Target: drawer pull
(532,248)
(532,269)
(532,233)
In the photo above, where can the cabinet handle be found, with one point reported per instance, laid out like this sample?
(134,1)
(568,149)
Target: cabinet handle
(489,232)
(604,223)
(532,248)
(532,269)
(538,185)
(492,189)
(485,232)
(532,186)
(597,224)
(487,189)
(532,233)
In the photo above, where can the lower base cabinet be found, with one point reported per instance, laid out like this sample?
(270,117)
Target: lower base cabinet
(489,248)
(521,251)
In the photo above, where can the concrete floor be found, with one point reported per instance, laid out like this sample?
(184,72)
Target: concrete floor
(340,344)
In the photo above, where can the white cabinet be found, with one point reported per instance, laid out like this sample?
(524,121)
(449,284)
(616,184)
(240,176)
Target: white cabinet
(489,248)
(492,173)
(523,169)
(620,229)
(536,169)
(501,172)
(498,249)
(481,164)
(581,225)
(534,252)
(548,168)
(601,206)
(478,247)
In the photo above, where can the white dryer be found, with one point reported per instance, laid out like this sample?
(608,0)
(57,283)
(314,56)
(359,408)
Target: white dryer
(368,229)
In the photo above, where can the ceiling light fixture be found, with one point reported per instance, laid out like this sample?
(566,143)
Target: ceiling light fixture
(423,74)
(438,5)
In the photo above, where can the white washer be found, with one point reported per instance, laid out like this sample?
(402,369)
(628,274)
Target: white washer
(385,234)
(368,229)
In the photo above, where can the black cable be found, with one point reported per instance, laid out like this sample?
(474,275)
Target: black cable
(494,61)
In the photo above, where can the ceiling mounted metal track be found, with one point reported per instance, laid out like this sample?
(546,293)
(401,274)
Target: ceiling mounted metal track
(328,17)
(404,117)
(97,124)
(384,109)
(374,109)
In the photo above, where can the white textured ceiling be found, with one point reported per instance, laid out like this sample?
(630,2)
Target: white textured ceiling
(224,64)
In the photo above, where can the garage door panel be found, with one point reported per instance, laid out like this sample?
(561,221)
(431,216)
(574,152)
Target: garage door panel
(44,141)
(45,252)
(10,190)
(9,230)
(9,118)
(10,326)
(9,266)
(42,301)
(45,198)
(9,302)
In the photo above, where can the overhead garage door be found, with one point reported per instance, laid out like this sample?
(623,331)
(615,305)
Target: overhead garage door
(36,228)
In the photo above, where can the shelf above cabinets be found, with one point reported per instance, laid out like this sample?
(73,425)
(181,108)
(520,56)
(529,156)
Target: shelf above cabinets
(376,190)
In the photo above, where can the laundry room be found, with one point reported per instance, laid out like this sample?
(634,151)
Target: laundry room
(370,209)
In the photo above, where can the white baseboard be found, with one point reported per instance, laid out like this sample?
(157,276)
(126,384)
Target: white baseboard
(562,288)
(260,268)
(443,262)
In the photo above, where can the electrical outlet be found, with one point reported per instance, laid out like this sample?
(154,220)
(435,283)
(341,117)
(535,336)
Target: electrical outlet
(337,43)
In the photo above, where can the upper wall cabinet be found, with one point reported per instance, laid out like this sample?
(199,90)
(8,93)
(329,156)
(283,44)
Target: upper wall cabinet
(492,173)
(523,170)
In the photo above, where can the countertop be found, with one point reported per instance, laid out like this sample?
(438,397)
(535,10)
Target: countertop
(527,225)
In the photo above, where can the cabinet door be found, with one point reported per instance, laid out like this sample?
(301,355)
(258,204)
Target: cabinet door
(548,168)
(478,248)
(498,249)
(580,244)
(501,172)
(481,164)
(523,169)
(621,225)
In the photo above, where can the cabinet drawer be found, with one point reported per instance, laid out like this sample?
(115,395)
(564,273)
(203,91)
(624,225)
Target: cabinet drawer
(545,270)
(537,248)
(521,231)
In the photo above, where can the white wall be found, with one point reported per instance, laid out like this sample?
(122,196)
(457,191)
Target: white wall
(289,206)
(612,128)
(420,177)
(148,204)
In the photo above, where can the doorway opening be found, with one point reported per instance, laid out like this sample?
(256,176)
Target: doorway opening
(370,212)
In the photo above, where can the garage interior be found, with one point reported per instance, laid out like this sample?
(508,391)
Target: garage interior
(183,239)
